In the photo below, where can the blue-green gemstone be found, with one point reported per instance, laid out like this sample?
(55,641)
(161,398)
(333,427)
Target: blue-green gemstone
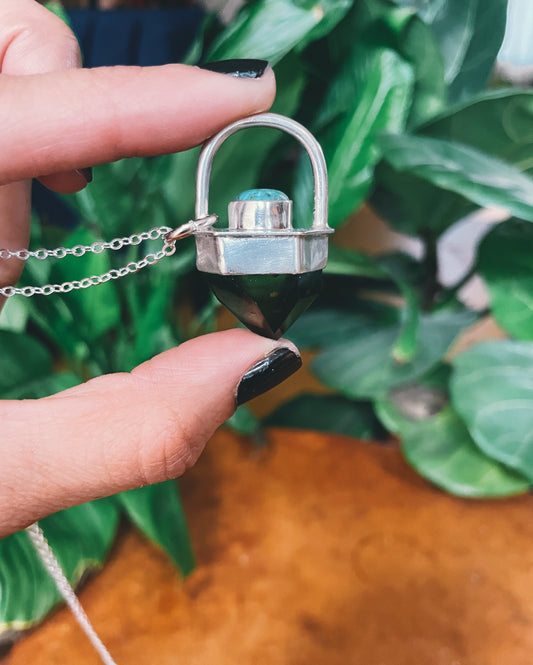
(262,195)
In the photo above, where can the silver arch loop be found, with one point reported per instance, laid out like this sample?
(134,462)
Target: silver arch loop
(275,121)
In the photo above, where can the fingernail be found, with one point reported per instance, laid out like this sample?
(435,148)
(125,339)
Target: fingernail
(245,69)
(86,173)
(267,373)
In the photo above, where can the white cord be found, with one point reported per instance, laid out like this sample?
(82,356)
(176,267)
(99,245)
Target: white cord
(53,567)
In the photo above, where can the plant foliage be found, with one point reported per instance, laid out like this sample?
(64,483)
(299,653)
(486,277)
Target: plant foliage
(396,92)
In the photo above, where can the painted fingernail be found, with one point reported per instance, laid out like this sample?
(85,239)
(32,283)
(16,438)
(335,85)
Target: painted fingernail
(245,69)
(86,173)
(268,373)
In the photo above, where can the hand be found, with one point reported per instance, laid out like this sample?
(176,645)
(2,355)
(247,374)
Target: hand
(119,431)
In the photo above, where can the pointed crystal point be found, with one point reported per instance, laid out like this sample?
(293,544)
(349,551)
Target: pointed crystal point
(266,304)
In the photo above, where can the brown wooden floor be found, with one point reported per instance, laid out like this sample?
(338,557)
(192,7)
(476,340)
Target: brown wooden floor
(321,551)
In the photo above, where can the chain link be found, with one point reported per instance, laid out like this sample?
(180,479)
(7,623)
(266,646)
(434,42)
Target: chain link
(169,235)
(79,250)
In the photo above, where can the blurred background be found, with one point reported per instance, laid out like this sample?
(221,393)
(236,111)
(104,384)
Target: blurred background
(356,478)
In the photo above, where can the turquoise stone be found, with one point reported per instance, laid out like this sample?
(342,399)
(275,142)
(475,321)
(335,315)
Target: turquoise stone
(266,304)
(262,195)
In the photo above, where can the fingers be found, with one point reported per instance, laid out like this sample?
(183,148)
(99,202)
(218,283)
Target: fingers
(32,41)
(15,210)
(78,118)
(125,430)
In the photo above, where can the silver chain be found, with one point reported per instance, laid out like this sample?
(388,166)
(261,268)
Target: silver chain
(170,236)
(52,565)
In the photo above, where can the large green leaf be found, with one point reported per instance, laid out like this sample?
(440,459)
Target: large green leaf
(441,449)
(41,386)
(325,327)
(244,422)
(470,33)
(492,389)
(14,315)
(115,198)
(419,47)
(269,29)
(345,261)
(363,366)
(158,512)
(57,9)
(327,413)
(23,360)
(414,206)
(80,537)
(478,177)
(379,83)
(505,263)
(95,310)
(498,123)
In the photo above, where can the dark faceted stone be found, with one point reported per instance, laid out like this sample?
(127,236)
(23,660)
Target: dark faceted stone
(266,304)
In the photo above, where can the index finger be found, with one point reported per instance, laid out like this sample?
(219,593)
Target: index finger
(60,121)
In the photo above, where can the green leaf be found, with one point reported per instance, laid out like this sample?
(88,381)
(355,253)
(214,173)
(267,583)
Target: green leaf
(14,315)
(238,163)
(244,422)
(157,511)
(482,179)
(404,270)
(344,261)
(472,74)
(419,47)
(53,317)
(492,390)
(499,123)
(441,450)
(327,413)
(363,366)
(121,197)
(41,386)
(96,310)
(504,262)
(380,86)
(269,29)
(469,33)
(414,206)
(58,9)
(325,327)
(80,537)
(22,361)
(377,24)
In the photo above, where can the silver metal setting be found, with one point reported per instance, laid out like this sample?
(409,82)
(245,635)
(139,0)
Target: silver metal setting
(256,216)
(260,238)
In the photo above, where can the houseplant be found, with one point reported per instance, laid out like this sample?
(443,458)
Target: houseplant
(396,93)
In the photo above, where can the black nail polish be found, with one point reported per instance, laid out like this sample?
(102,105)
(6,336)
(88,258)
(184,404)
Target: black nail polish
(267,373)
(246,69)
(86,173)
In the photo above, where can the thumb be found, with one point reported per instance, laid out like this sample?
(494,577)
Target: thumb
(126,430)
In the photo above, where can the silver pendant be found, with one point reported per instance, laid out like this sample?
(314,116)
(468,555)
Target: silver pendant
(262,268)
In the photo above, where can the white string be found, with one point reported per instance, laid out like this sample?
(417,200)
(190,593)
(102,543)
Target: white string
(52,565)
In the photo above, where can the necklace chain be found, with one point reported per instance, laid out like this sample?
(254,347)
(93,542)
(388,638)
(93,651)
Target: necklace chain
(169,235)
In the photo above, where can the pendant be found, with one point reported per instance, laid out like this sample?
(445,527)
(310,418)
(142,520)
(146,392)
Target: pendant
(265,271)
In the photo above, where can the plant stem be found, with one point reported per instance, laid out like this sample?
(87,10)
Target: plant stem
(431,286)
(450,294)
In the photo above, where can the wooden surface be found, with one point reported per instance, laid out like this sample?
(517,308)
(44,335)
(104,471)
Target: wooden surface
(318,550)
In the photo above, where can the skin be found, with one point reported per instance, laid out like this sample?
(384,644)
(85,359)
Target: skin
(125,430)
